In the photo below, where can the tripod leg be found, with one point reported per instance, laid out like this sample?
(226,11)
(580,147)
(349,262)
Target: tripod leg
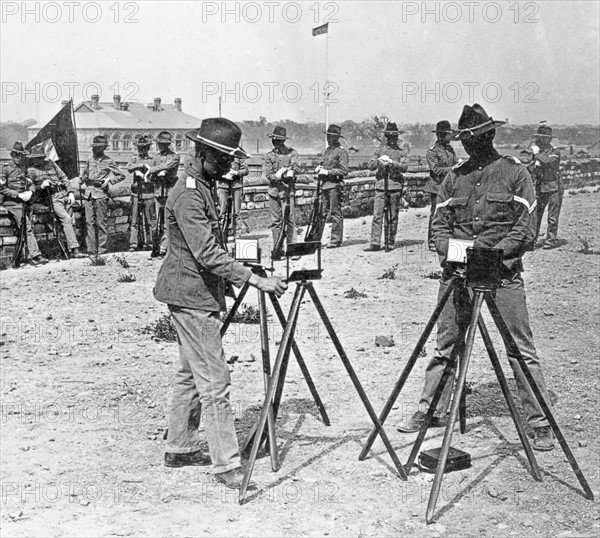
(408,368)
(512,346)
(338,346)
(509,400)
(460,386)
(234,309)
(462,412)
(288,335)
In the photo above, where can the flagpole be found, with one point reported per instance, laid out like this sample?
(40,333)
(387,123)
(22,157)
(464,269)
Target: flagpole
(326,88)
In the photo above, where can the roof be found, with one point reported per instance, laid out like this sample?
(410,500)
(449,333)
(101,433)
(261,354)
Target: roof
(137,117)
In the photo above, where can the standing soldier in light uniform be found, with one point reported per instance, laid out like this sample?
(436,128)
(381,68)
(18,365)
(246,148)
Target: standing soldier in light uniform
(545,170)
(280,167)
(441,158)
(99,172)
(163,174)
(231,184)
(16,190)
(138,166)
(389,160)
(45,174)
(332,171)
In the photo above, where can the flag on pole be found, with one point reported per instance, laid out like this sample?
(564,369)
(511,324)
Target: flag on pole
(323,29)
(60,141)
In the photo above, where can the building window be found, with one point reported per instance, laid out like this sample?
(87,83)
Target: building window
(116,142)
(127,142)
(179,142)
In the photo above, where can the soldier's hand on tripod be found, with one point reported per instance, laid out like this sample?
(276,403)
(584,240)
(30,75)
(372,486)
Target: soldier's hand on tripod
(25,195)
(272,284)
(384,159)
(280,172)
(289,173)
(71,198)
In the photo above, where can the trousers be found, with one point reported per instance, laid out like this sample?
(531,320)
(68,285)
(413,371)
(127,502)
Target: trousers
(433,198)
(276,206)
(159,205)
(332,202)
(224,220)
(96,215)
(64,214)
(552,200)
(148,209)
(378,213)
(16,212)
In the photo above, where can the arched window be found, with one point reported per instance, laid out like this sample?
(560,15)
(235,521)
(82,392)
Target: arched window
(179,142)
(116,142)
(127,142)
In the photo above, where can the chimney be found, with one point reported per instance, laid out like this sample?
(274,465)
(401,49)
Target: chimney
(63,102)
(157,103)
(96,102)
(117,102)
(125,106)
(178,104)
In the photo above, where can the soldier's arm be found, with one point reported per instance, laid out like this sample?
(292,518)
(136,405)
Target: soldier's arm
(400,165)
(295,162)
(85,175)
(269,167)
(190,212)
(438,168)
(441,228)
(548,157)
(243,169)
(523,233)
(373,162)
(5,190)
(62,178)
(114,169)
(342,165)
(170,163)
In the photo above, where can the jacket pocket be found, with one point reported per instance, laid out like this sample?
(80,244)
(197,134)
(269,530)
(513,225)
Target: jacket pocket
(499,205)
(460,208)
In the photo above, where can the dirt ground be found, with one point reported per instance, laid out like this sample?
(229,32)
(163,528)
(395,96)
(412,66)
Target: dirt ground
(85,392)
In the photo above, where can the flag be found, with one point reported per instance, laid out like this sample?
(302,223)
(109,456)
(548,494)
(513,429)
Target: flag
(60,141)
(323,29)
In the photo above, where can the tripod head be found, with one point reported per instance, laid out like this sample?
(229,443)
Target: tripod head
(477,267)
(303,249)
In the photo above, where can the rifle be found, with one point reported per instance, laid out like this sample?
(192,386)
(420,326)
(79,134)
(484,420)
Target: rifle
(160,225)
(283,233)
(21,238)
(317,221)
(55,230)
(142,220)
(387,210)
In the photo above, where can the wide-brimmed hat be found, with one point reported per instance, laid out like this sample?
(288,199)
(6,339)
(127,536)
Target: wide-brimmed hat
(142,141)
(279,133)
(221,134)
(443,127)
(37,152)
(544,130)
(164,137)
(334,130)
(18,148)
(391,129)
(98,141)
(474,121)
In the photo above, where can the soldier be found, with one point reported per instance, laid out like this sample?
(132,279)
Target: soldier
(441,158)
(332,171)
(231,184)
(388,161)
(280,167)
(48,177)
(190,281)
(489,199)
(141,188)
(545,170)
(16,190)
(163,174)
(99,172)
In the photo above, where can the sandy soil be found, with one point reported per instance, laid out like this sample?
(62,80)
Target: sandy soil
(84,395)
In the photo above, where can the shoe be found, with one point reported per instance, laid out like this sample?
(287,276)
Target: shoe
(191,458)
(431,247)
(37,260)
(414,423)
(75,253)
(33,262)
(543,439)
(232,479)
(132,249)
(548,244)
(372,248)
(334,245)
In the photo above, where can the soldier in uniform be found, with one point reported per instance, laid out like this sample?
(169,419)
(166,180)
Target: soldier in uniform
(47,175)
(280,167)
(16,190)
(332,171)
(191,281)
(163,174)
(138,166)
(390,161)
(545,170)
(99,172)
(231,184)
(441,158)
(489,199)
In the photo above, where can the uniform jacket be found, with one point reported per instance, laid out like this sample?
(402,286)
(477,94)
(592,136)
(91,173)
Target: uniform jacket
(13,180)
(193,270)
(398,165)
(95,172)
(237,181)
(274,160)
(137,164)
(49,170)
(168,162)
(441,158)
(545,170)
(335,159)
(491,203)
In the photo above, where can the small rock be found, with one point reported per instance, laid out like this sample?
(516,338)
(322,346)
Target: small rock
(384,341)
(577,417)
(583,443)
(251,358)
(84,502)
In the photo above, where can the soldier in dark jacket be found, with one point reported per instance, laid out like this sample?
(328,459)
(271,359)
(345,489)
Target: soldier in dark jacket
(441,158)
(332,171)
(138,166)
(390,161)
(232,184)
(99,172)
(191,281)
(545,170)
(489,200)
(16,191)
